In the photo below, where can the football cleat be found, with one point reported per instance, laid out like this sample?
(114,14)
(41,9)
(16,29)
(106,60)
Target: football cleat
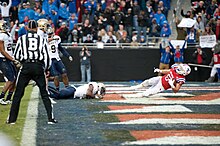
(52,121)
(2,102)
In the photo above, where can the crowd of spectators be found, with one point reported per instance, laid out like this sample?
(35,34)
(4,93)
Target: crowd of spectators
(207,16)
(122,21)
(80,20)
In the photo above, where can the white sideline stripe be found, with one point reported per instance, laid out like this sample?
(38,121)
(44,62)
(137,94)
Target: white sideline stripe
(150,109)
(169,121)
(30,126)
(146,101)
(178,140)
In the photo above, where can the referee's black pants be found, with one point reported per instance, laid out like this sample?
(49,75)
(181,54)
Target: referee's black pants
(34,71)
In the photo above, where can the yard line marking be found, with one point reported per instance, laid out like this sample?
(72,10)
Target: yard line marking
(30,125)
(150,109)
(147,101)
(169,121)
(128,117)
(178,140)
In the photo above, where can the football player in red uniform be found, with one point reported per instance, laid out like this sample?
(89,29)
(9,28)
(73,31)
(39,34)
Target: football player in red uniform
(173,78)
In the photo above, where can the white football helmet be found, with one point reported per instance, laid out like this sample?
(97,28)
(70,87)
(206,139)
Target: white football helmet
(43,24)
(183,69)
(3,26)
(102,89)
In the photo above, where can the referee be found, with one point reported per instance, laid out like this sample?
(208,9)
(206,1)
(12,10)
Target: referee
(31,51)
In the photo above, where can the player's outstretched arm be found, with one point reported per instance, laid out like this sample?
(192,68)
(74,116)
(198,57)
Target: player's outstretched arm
(175,87)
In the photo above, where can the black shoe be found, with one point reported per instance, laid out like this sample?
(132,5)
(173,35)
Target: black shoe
(10,123)
(52,121)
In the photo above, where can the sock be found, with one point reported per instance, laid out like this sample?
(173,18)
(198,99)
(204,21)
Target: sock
(9,95)
(2,95)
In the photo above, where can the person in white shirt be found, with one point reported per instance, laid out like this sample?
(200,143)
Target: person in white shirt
(5,11)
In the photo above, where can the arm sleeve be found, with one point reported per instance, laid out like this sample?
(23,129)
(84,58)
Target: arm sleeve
(63,51)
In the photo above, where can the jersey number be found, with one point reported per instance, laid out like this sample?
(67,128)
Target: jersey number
(169,76)
(53,49)
(32,44)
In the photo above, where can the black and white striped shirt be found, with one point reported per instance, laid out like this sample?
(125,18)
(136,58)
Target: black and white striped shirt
(32,46)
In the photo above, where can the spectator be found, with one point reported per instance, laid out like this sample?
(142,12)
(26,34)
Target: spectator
(199,57)
(63,13)
(26,12)
(128,20)
(86,29)
(117,17)
(160,17)
(208,31)
(193,35)
(37,5)
(189,14)
(73,21)
(200,8)
(199,25)
(124,38)
(136,11)
(85,64)
(142,24)
(142,41)
(120,32)
(72,6)
(165,30)
(103,35)
(166,56)
(177,52)
(63,32)
(211,8)
(217,18)
(164,9)
(154,29)
(22,29)
(88,39)
(50,9)
(181,31)
(112,38)
(134,42)
(5,11)
(13,13)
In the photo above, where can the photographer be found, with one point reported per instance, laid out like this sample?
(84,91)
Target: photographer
(85,65)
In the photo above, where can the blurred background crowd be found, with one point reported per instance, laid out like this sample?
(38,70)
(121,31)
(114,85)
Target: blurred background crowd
(111,21)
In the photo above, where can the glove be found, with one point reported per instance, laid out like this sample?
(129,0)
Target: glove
(170,81)
(17,63)
(157,70)
(70,58)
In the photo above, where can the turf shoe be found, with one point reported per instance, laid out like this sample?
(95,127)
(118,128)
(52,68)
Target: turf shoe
(2,101)
(52,121)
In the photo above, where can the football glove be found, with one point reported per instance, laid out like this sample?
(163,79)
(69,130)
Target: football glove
(17,63)
(70,58)
(157,70)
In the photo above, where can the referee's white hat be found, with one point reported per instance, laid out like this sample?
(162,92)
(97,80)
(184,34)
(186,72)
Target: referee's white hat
(32,24)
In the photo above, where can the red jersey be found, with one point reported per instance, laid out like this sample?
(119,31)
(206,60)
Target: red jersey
(174,76)
(216,58)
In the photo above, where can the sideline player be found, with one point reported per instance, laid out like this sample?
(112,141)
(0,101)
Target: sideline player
(173,78)
(57,67)
(6,65)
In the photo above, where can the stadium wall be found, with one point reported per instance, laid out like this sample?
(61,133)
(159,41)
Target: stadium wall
(112,64)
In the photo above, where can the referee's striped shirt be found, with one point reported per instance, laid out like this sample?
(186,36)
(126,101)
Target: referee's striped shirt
(32,46)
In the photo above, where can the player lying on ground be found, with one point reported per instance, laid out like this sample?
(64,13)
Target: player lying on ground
(87,91)
(173,78)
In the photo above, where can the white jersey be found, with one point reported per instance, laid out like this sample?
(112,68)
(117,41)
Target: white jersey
(7,38)
(45,37)
(53,47)
(82,90)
